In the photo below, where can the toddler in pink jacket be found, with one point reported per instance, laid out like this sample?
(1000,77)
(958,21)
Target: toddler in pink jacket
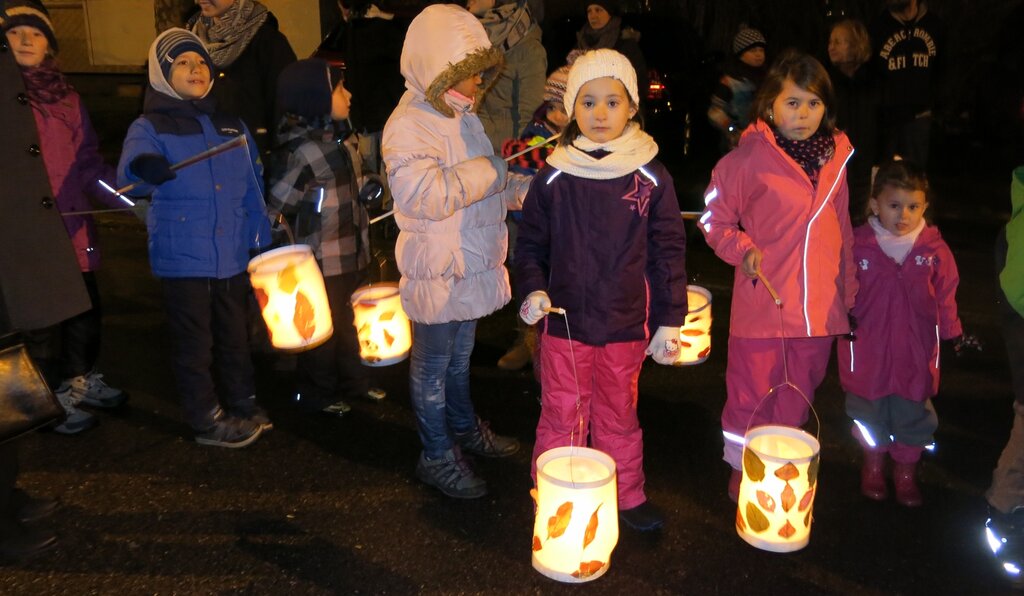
(777,208)
(905,306)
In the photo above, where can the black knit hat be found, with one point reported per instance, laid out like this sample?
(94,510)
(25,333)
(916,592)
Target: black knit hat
(31,13)
(747,38)
(304,88)
(612,6)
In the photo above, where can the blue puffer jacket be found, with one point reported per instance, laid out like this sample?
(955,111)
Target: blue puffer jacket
(204,222)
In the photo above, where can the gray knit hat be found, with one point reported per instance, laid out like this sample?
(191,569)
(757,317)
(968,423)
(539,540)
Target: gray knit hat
(747,38)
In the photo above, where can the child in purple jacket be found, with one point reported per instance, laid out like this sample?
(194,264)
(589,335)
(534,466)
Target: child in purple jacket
(905,306)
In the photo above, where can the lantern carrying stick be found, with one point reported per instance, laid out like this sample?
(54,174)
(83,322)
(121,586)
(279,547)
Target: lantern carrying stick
(771,290)
(509,158)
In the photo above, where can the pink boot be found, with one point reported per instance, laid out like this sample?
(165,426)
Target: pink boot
(907,492)
(734,485)
(872,475)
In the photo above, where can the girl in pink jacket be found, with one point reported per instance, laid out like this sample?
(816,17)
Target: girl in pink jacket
(906,304)
(777,207)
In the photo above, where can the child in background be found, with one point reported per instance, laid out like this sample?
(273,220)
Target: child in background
(777,207)
(70,153)
(905,305)
(451,196)
(314,183)
(602,238)
(731,101)
(203,223)
(549,120)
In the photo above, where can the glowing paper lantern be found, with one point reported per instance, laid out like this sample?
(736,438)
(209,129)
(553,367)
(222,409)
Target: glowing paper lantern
(385,336)
(577,524)
(290,289)
(780,478)
(695,334)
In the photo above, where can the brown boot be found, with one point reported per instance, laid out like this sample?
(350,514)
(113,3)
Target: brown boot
(521,352)
(903,479)
(872,475)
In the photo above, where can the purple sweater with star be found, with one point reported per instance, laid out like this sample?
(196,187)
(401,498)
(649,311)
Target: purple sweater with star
(612,253)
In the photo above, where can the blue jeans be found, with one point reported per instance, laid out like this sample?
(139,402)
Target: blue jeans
(439,383)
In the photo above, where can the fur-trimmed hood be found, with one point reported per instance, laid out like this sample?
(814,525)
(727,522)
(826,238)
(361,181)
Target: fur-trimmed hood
(444,45)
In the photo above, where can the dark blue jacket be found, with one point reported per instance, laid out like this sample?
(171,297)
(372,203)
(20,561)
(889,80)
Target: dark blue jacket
(204,222)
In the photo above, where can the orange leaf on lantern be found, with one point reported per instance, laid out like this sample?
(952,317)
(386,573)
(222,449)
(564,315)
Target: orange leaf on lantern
(693,332)
(756,519)
(812,471)
(787,472)
(805,502)
(587,569)
(364,332)
(685,344)
(390,339)
(387,316)
(753,467)
(704,352)
(591,532)
(533,495)
(558,522)
(304,318)
(788,498)
(261,297)
(536,543)
(766,501)
(287,280)
(739,521)
(787,530)
(807,519)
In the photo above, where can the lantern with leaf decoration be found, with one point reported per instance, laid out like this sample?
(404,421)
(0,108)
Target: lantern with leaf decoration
(385,335)
(577,523)
(290,290)
(780,478)
(695,334)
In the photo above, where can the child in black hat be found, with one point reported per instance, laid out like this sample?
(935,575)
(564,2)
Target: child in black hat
(314,183)
(732,98)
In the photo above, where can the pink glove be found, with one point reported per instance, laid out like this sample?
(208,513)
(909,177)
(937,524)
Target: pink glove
(664,346)
(532,309)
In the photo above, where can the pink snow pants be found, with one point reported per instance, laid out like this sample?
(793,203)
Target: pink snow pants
(608,392)
(754,367)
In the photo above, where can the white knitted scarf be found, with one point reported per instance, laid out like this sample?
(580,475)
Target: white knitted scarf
(895,247)
(627,153)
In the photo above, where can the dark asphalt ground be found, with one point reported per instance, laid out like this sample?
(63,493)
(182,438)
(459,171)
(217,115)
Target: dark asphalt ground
(322,506)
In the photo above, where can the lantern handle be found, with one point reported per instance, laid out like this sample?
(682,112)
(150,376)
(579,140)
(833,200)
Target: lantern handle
(775,389)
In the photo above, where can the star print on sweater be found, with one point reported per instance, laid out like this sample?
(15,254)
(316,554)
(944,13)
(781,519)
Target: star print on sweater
(640,196)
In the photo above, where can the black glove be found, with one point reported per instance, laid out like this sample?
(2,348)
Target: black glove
(965,343)
(153,168)
(372,192)
(851,336)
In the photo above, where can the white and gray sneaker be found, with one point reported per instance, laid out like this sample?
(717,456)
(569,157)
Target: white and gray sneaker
(90,390)
(76,420)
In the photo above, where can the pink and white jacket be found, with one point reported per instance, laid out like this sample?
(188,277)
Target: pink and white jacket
(902,312)
(760,197)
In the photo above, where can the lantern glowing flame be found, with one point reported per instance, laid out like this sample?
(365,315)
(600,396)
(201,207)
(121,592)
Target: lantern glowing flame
(385,335)
(695,334)
(290,290)
(780,478)
(577,523)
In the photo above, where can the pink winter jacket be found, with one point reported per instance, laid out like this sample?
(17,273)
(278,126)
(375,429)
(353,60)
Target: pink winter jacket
(902,312)
(759,197)
(74,165)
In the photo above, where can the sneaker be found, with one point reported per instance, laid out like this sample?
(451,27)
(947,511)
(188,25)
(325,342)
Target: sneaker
(644,517)
(451,475)
(483,441)
(230,432)
(376,394)
(1005,535)
(76,420)
(338,408)
(92,391)
(250,411)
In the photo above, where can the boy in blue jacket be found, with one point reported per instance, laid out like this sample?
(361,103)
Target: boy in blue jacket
(203,222)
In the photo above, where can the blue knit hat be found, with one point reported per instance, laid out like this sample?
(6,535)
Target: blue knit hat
(30,13)
(175,42)
(304,88)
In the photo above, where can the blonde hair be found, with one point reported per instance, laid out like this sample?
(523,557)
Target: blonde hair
(859,39)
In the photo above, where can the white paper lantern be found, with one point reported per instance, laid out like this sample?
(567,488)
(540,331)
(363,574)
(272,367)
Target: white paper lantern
(695,334)
(290,290)
(780,479)
(385,335)
(577,523)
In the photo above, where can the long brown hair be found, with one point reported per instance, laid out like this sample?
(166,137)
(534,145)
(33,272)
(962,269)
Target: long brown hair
(806,73)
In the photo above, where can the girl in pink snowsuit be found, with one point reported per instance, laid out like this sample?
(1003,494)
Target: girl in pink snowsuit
(906,304)
(777,206)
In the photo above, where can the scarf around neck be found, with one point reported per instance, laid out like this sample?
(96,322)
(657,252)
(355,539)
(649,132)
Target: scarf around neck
(589,38)
(45,83)
(810,154)
(895,247)
(631,150)
(229,35)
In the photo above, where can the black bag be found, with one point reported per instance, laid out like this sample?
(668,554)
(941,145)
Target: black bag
(26,402)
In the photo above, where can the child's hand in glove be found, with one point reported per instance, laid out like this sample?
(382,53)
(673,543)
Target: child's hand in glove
(153,168)
(533,308)
(664,346)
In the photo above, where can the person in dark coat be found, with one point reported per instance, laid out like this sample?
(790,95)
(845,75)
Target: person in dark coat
(249,54)
(858,102)
(40,282)
(604,30)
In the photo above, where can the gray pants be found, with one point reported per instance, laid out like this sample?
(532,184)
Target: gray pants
(898,425)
